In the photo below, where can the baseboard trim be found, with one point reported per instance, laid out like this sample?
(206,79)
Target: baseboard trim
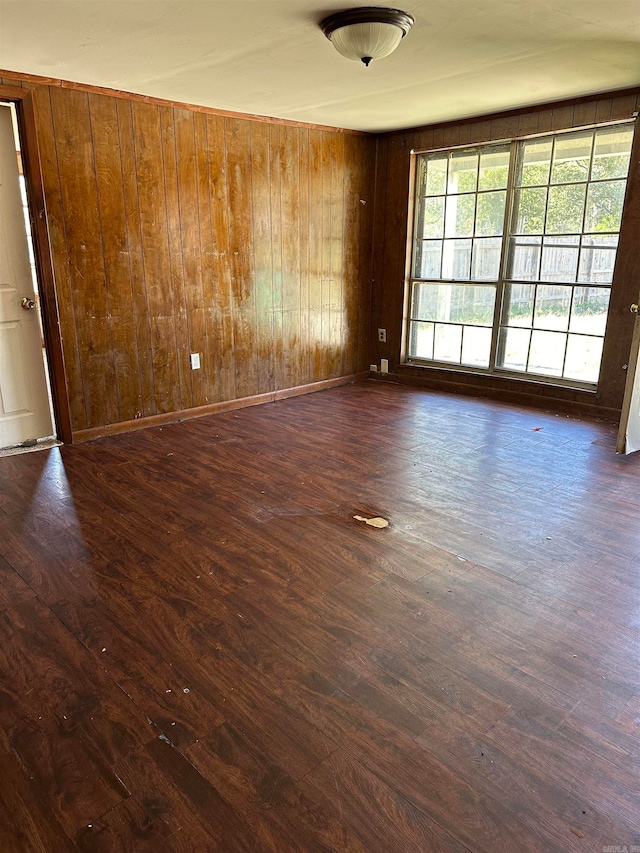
(215,408)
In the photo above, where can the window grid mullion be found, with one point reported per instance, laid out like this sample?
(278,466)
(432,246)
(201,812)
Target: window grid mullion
(566,339)
(509,212)
(584,213)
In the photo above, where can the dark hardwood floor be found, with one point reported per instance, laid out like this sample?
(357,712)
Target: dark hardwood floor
(202,650)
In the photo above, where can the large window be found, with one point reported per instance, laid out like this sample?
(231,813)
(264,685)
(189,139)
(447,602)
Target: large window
(514,247)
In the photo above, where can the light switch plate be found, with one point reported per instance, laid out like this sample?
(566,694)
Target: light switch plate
(195,361)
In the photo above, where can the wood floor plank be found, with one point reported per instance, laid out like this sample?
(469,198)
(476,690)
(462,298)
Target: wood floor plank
(202,649)
(260,789)
(26,818)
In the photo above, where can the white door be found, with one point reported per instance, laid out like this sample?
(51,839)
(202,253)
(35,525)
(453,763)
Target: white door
(629,433)
(24,402)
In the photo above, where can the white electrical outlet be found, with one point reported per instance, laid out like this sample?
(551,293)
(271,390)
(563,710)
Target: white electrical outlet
(373,368)
(382,336)
(195,361)
(384,365)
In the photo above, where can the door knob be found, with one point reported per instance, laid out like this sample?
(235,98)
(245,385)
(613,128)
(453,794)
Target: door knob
(28,304)
(634,308)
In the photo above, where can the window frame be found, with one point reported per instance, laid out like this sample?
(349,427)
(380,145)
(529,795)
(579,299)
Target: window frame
(502,281)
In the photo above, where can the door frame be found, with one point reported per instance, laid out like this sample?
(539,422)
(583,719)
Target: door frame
(23,102)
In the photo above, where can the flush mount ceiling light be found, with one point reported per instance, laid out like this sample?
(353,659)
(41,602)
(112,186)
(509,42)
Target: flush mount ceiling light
(368,33)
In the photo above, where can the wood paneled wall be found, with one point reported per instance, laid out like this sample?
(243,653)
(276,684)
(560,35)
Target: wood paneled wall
(390,236)
(175,231)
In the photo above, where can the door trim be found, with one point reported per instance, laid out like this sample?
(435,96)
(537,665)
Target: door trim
(23,102)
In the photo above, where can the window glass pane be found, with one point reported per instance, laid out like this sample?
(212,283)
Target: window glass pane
(566,209)
(421,340)
(514,347)
(456,259)
(431,218)
(490,214)
(460,215)
(453,303)
(597,258)
(612,153)
(604,206)
(589,310)
(530,210)
(447,343)
(486,258)
(463,172)
(524,260)
(473,305)
(426,299)
(584,355)
(559,259)
(420,306)
(518,304)
(494,168)
(434,176)
(546,354)
(476,346)
(535,159)
(552,307)
(571,157)
(428,258)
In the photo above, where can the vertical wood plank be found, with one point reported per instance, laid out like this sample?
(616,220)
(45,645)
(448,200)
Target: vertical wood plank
(584,114)
(155,253)
(113,226)
(561,118)
(275,167)
(480,131)
(352,172)
(189,207)
(504,128)
(76,164)
(303,375)
(623,107)
(544,121)
(336,277)
(223,343)
(316,211)
(241,253)
(379,232)
(327,246)
(176,261)
(603,109)
(465,134)
(136,264)
(528,123)
(262,255)
(290,177)
(423,141)
(451,136)
(368,158)
(211,373)
(395,246)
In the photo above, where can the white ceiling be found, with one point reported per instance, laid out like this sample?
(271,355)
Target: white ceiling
(462,57)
